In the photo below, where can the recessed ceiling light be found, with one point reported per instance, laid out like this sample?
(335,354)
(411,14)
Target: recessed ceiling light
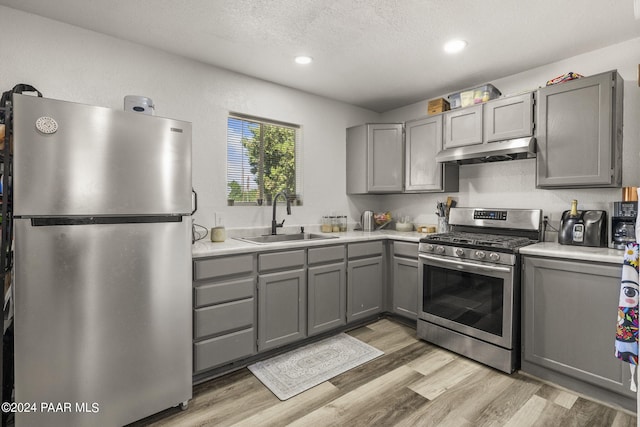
(455,46)
(303,60)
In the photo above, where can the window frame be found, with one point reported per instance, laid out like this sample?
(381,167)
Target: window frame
(262,198)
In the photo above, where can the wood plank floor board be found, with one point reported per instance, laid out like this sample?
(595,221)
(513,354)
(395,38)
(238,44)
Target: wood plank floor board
(462,402)
(286,412)
(365,403)
(413,384)
(362,374)
(587,413)
(508,402)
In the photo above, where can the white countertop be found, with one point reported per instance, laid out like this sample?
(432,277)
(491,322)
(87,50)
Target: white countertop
(205,248)
(580,253)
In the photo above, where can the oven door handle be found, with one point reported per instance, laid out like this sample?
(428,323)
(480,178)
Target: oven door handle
(465,264)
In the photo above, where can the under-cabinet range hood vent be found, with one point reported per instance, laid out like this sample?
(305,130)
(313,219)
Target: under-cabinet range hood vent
(511,149)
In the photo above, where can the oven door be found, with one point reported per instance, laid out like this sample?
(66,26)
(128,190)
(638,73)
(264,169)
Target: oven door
(472,298)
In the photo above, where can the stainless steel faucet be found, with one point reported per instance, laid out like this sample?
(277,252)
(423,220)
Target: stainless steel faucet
(274,223)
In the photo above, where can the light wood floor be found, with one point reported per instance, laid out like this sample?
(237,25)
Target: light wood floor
(413,384)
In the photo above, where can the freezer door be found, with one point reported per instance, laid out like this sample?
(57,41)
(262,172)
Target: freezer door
(102,321)
(75,159)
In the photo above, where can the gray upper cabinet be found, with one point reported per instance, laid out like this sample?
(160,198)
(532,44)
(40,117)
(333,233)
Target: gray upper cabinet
(508,118)
(463,127)
(422,172)
(569,323)
(375,158)
(579,133)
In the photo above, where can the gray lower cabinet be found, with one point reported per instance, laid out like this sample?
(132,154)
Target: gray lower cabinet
(282,299)
(365,280)
(579,133)
(405,279)
(327,289)
(224,314)
(423,140)
(569,325)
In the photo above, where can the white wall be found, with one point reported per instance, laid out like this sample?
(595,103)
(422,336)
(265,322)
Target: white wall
(70,63)
(512,184)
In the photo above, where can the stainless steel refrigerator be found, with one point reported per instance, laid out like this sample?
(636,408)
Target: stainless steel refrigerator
(102,203)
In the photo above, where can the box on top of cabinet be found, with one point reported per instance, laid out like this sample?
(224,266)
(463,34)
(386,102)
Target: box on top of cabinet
(436,106)
(478,95)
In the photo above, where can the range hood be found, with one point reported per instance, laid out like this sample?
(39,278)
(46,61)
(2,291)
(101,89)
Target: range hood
(511,149)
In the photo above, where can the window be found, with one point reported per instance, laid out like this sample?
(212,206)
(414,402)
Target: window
(263,158)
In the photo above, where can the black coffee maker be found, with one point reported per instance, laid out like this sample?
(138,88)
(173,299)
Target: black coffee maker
(622,220)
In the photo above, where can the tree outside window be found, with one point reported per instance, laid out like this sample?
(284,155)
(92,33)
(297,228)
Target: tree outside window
(261,161)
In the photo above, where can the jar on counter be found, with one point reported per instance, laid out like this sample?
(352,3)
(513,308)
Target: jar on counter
(335,224)
(326,226)
(343,223)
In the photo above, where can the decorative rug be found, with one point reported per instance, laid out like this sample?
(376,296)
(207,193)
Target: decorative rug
(301,369)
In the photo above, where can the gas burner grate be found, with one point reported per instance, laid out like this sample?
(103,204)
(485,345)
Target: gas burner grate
(480,240)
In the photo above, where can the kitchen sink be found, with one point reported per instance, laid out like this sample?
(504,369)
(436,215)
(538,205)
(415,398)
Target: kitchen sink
(277,238)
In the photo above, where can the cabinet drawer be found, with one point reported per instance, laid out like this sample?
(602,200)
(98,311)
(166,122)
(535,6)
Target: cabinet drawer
(280,260)
(223,266)
(223,317)
(216,293)
(405,249)
(327,254)
(359,250)
(220,350)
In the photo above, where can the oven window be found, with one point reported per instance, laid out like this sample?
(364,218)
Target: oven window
(468,298)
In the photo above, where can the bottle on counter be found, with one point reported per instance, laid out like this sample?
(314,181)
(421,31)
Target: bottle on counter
(574,209)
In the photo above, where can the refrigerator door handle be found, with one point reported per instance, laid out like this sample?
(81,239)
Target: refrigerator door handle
(92,220)
(195,201)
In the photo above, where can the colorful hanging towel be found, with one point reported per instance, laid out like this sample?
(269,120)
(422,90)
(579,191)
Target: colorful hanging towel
(626,347)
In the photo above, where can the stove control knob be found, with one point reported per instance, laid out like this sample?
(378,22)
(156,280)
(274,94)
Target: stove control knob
(440,249)
(430,248)
(480,254)
(494,256)
(460,252)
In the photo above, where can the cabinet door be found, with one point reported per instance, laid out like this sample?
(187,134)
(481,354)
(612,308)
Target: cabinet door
(282,308)
(405,287)
(384,158)
(574,135)
(569,315)
(364,288)
(422,172)
(463,127)
(327,295)
(508,118)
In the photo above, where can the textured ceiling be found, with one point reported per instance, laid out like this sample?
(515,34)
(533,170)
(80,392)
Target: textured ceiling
(378,54)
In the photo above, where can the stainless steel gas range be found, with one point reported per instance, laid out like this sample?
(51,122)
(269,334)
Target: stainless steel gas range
(469,283)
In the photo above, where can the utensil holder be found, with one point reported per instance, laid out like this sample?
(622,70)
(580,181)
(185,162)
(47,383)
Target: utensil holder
(443,224)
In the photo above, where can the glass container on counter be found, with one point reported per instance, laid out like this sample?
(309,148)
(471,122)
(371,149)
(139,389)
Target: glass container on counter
(326,226)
